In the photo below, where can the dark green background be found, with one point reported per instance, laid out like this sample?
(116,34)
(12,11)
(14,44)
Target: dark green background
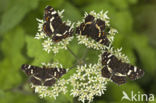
(134,19)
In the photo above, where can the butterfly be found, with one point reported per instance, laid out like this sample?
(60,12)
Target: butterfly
(117,70)
(54,27)
(42,75)
(96,29)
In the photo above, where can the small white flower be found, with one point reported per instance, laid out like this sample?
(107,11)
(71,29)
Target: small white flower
(86,85)
(60,13)
(90,43)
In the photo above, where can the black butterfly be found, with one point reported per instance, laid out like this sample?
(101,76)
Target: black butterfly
(54,26)
(96,29)
(117,70)
(43,76)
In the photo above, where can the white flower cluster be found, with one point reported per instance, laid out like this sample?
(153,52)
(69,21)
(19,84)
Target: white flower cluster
(118,53)
(87,82)
(101,15)
(48,44)
(53,91)
(90,43)
(53,65)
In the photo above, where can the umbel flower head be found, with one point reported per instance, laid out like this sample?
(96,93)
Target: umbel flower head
(87,82)
(48,43)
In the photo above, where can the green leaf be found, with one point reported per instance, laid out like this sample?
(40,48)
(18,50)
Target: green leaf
(65,57)
(71,12)
(35,50)
(62,98)
(17,97)
(11,46)
(53,3)
(147,54)
(115,92)
(4,5)
(122,21)
(121,4)
(132,1)
(104,5)
(81,2)
(16,13)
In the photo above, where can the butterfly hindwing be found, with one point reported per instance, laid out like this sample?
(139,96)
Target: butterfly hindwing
(134,72)
(117,70)
(106,72)
(118,79)
(43,76)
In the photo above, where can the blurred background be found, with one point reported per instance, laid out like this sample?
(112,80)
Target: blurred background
(135,21)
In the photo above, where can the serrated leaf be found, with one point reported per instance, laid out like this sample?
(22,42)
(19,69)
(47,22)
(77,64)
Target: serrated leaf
(16,13)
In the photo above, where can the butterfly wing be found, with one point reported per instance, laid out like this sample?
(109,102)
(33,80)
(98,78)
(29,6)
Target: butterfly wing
(52,74)
(42,76)
(134,73)
(117,70)
(106,72)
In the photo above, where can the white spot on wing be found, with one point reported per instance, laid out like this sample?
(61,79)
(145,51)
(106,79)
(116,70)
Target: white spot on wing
(65,32)
(48,79)
(29,66)
(58,69)
(51,27)
(54,12)
(55,74)
(109,69)
(135,69)
(109,55)
(108,61)
(119,74)
(58,35)
(31,71)
(37,78)
(129,72)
